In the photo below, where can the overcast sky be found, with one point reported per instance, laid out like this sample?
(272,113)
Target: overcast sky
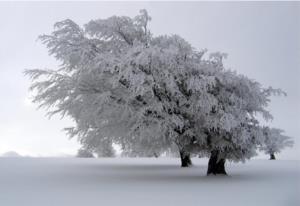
(262,40)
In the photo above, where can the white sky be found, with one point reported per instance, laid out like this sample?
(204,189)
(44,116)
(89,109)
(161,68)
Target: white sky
(262,40)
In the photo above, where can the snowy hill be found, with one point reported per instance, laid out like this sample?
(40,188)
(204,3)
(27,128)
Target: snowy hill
(123,181)
(10,154)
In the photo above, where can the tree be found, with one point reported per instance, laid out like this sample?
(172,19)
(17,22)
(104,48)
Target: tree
(84,153)
(230,130)
(87,86)
(122,85)
(275,141)
(117,81)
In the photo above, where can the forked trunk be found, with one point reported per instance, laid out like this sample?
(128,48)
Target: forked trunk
(216,165)
(185,159)
(272,156)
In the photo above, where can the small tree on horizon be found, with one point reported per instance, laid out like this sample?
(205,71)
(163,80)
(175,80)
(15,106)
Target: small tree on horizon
(84,153)
(275,141)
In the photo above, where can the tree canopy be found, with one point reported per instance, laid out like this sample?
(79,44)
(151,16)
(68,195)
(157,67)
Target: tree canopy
(121,84)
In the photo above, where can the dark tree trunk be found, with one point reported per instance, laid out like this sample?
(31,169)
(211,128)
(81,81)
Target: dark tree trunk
(215,165)
(272,156)
(185,159)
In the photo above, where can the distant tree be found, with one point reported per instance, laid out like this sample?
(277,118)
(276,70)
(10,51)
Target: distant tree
(275,141)
(105,149)
(84,153)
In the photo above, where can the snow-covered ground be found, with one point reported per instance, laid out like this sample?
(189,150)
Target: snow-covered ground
(123,181)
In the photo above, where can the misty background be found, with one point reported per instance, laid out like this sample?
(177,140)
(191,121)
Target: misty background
(261,38)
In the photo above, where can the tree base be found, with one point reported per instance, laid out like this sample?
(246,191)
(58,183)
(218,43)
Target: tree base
(272,157)
(185,159)
(216,166)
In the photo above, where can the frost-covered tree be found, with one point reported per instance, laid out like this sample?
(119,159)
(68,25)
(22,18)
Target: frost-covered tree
(88,87)
(122,85)
(230,129)
(84,153)
(275,141)
(105,149)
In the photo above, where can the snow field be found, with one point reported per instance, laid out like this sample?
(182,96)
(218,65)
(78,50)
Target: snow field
(145,181)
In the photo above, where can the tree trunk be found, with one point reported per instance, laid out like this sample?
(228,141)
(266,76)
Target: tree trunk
(215,165)
(185,159)
(272,156)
